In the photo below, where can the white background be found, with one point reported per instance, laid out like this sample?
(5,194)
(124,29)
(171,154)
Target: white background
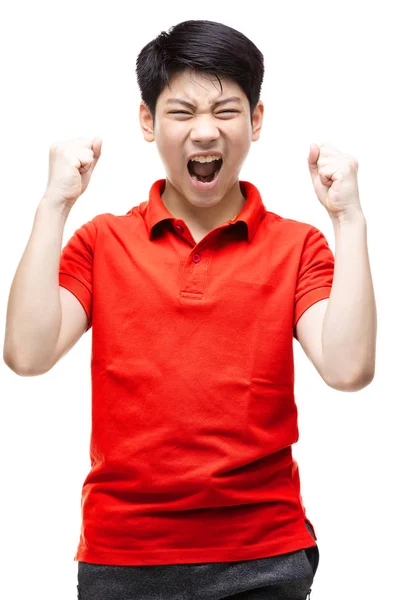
(331,74)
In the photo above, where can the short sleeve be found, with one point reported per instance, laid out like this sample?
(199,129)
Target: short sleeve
(315,274)
(76,262)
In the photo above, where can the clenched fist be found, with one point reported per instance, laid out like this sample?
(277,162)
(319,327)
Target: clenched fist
(71,164)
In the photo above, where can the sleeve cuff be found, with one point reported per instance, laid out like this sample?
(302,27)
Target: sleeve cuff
(80,291)
(308,300)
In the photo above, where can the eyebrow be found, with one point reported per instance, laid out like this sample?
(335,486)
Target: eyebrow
(189,105)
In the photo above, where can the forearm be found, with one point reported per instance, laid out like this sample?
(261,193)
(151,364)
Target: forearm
(350,323)
(34,309)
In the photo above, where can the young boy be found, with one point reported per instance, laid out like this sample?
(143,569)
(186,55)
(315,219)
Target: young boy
(194,296)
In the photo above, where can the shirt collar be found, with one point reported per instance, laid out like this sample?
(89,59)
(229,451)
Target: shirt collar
(154,210)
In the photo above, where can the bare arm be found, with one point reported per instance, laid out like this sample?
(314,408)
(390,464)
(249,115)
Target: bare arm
(42,322)
(350,325)
(34,307)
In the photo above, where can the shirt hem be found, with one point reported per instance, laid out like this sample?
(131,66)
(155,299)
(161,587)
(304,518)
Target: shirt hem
(191,555)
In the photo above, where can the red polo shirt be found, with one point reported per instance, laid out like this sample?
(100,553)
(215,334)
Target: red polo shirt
(193,410)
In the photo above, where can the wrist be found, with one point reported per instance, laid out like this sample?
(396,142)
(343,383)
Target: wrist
(50,205)
(354,216)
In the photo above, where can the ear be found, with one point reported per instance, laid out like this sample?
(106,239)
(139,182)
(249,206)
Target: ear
(146,122)
(258,115)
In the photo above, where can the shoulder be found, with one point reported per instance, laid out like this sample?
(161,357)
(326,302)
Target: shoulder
(286,227)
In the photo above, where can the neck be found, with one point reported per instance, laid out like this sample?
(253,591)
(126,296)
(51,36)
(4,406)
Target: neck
(203,218)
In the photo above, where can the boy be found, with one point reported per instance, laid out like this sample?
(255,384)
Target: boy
(195,296)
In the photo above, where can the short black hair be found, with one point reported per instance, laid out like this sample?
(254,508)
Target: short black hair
(204,47)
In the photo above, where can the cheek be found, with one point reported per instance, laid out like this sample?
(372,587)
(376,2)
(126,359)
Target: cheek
(240,143)
(170,145)
(240,133)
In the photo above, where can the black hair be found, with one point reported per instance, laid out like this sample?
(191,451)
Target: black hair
(204,47)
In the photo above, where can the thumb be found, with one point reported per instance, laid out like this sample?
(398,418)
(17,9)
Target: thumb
(313,156)
(96,147)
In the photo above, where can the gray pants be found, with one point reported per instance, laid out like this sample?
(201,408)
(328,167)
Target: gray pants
(283,577)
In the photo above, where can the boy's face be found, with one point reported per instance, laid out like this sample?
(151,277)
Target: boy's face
(202,127)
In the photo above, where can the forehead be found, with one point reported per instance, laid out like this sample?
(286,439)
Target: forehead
(200,86)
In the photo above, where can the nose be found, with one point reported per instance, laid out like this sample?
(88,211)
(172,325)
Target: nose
(204,130)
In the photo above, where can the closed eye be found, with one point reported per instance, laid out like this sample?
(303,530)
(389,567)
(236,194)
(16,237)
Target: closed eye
(183,112)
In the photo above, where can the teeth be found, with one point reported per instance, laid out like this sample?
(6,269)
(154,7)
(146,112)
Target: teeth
(204,159)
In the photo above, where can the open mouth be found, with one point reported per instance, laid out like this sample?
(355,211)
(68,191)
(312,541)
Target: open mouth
(217,164)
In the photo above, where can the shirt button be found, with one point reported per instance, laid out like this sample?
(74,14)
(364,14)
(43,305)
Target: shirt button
(179,229)
(196,258)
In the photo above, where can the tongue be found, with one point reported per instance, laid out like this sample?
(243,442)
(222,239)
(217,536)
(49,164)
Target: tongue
(203,169)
